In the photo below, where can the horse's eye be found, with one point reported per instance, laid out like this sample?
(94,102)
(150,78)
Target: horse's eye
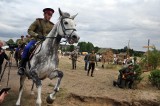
(65,23)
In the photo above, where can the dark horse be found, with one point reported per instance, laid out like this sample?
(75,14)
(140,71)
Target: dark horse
(18,53)
(45,62)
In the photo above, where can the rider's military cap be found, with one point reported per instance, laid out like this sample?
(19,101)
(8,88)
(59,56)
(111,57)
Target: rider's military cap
(48,10)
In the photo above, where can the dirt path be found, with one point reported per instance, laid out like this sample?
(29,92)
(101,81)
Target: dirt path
(78,89)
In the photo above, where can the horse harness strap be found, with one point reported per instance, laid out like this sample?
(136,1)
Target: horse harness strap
(63,27)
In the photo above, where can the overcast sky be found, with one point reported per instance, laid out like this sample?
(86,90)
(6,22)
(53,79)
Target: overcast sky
(105,23)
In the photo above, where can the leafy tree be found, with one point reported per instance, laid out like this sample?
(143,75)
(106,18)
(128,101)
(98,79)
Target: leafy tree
(82,46)
(10,41)
(71,48)
(96,49)
(89,47)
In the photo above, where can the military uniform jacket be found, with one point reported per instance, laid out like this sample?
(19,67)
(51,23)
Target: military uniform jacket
(21,41)
(74,56)
(92,58)
(40,27)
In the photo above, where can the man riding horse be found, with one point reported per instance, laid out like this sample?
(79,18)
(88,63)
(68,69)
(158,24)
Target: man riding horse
(38,30)
(44,63)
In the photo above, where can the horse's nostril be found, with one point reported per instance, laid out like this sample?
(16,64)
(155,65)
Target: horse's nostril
(74,37)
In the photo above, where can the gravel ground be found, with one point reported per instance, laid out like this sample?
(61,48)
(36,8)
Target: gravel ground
(78,89)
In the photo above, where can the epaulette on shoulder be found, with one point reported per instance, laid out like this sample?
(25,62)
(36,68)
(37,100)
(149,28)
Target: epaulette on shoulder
(51,22)
(39,19)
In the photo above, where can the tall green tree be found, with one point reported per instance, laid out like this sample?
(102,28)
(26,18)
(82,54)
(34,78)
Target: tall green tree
(96,49)
(71,48)
(10,41)
(82,46)
(89,47)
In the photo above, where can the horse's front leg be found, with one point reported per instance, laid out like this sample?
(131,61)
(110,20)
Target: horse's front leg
(22,79)
(37,81)
(39,101)
(54,74)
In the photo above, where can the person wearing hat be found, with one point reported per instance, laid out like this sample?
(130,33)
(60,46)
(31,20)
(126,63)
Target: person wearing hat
(21,42)
(27,39)
(125,77)
(37,30)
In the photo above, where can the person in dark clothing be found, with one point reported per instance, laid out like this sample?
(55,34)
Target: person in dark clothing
(86,62)
(92,61)
(3,56)
(126,77)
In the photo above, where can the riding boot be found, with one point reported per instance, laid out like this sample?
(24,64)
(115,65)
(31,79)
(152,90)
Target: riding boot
(21,69)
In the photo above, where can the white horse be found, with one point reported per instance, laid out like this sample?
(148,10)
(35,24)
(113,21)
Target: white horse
(45,62)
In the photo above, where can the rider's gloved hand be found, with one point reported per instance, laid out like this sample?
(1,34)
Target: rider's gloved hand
(41,37)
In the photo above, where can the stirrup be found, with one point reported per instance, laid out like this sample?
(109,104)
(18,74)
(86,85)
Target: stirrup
(21,71)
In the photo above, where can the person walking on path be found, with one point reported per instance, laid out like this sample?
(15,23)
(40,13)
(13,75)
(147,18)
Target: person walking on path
(92,61)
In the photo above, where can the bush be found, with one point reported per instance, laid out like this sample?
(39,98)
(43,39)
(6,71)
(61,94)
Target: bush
(138,74)
(154,78)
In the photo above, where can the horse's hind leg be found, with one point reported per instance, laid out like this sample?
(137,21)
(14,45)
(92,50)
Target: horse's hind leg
(32,91)
(22,79)
(59,74)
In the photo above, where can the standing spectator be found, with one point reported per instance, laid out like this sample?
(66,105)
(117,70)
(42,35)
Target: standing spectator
(86,62)
(3,56)
(92,61)
(74,56)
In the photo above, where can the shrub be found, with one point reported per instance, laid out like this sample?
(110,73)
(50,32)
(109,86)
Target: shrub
(137,78)
(154,78)
(138,74)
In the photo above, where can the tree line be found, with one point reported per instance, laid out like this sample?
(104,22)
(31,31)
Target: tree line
(88,47)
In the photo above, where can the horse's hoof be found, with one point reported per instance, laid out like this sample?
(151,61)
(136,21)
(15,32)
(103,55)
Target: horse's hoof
(50,100)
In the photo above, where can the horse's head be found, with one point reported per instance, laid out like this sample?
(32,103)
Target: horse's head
(67,27)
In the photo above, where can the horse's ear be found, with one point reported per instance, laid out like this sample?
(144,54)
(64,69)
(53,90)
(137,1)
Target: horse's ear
(74,16)
(60,12)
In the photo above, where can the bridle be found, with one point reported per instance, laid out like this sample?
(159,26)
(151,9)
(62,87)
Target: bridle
(65,29)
